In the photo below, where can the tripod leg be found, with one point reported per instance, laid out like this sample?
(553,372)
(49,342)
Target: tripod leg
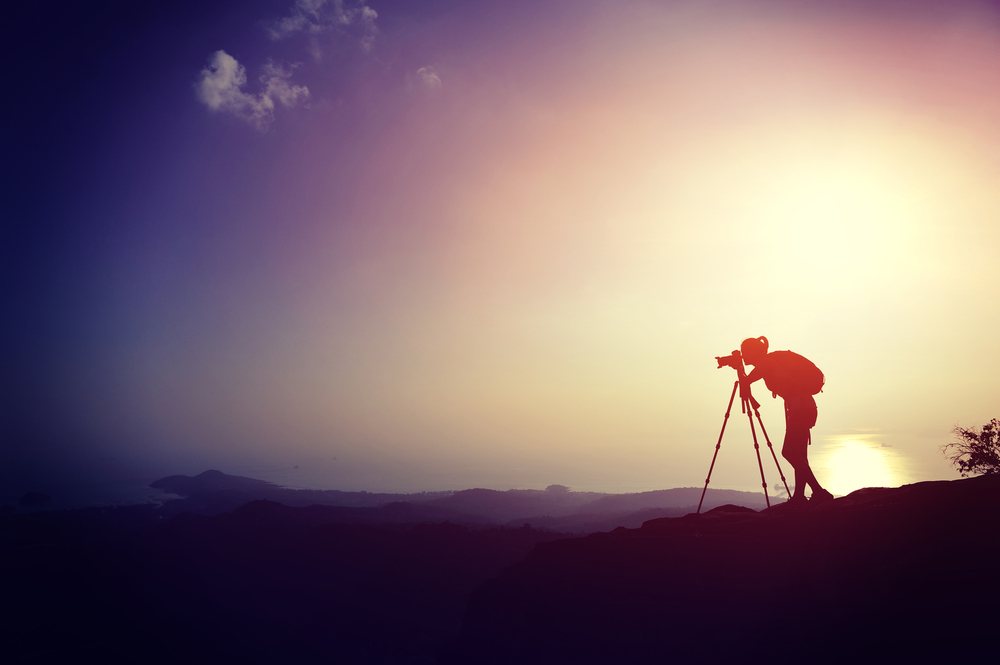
(771,448)
(719,444)
(756,447)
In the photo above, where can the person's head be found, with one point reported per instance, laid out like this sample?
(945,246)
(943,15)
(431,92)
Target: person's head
(753,350)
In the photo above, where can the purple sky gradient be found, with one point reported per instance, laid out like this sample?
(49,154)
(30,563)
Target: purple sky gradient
(437,245)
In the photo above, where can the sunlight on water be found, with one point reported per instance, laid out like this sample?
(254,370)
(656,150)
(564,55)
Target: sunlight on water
(845,463)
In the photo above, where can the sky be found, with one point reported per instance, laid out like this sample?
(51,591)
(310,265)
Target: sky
(403,246)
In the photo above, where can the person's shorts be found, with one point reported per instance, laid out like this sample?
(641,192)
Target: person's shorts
(800,412)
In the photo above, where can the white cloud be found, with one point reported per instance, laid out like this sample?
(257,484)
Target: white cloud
(367,21)
(429,78)
(316,16)
(275,80)
(221,89)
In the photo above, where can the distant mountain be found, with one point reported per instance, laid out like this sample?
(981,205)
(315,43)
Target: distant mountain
(33,499)
(882,575)
(675,498)
(214,492)
(501,506)
(210,481)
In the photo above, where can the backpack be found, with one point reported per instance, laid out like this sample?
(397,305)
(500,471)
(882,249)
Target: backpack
(788,374)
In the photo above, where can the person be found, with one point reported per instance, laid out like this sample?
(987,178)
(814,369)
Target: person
(793,378)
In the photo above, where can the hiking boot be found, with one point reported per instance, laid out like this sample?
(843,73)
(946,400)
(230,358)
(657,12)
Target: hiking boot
(797,501)
(821,496)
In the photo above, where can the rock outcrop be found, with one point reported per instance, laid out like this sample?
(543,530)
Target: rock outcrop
(882,574)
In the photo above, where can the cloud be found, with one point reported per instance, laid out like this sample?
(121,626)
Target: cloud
(221,89)
(315,16)
(275,80)
(429,78)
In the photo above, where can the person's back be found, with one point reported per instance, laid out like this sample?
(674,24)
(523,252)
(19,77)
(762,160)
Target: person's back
(788,374)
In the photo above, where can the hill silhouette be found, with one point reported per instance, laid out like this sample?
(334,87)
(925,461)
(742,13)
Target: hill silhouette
(214,492)
(882,574)
(210,481)
(265,583)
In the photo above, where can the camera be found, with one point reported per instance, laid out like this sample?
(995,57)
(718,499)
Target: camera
(734,360)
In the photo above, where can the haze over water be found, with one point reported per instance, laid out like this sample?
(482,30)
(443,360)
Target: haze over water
(414,246)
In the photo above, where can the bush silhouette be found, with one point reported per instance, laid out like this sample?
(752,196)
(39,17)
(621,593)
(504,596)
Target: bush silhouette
(976,451)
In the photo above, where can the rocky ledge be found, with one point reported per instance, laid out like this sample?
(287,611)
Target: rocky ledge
(883,574)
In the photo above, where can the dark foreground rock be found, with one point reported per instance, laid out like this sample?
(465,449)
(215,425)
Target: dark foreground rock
(265,584)
(880,575)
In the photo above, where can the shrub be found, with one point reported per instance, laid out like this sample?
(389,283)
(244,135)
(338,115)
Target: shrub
(976,451)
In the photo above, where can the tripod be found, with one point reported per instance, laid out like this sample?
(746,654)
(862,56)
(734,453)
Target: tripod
(748,402)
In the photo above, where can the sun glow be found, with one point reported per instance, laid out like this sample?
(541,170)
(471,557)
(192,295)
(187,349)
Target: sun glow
(845,463)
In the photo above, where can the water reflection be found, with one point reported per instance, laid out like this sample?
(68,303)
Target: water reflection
(847,462)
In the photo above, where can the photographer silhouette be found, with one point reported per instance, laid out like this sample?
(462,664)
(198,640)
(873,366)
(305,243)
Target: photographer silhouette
(796,380)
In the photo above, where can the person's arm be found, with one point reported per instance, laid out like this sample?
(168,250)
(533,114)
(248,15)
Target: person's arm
(746,380)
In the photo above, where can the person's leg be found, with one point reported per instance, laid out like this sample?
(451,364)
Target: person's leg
(808,477)
(818,493)
(794,450)
(799,419)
